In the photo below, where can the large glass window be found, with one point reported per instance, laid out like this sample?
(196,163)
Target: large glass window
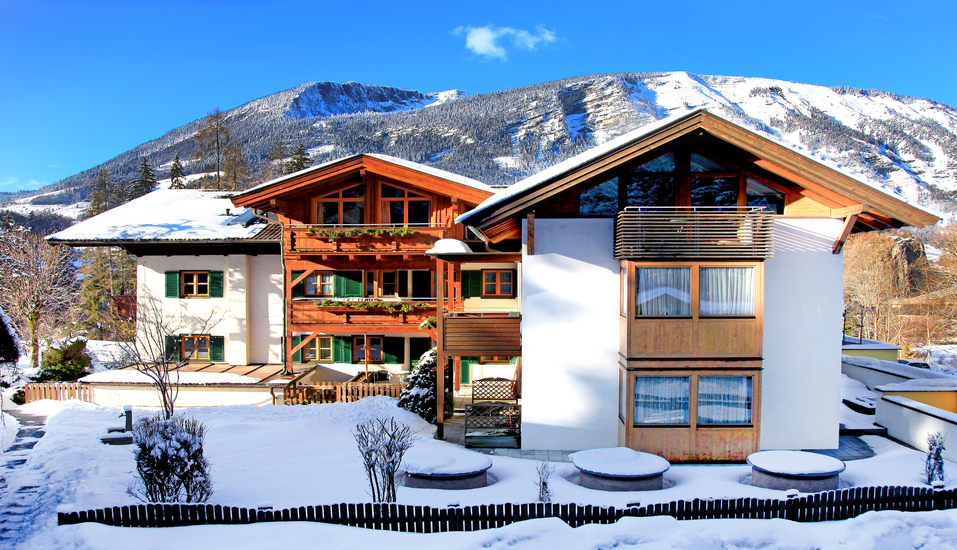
(401,207)
(724,399)
(600,199)
(662,399)
(765,196)
(664,291)
(343,208)
(375,349)
(727,291)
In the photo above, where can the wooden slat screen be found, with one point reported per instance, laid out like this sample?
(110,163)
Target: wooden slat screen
(694,232)
(483,335)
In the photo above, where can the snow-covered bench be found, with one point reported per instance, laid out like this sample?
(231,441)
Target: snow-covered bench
(448,468)
(806,472)
(620,469)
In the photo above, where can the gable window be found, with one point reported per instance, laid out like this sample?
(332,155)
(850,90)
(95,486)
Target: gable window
(194,284)
(403,207)
(343,208)
(320,284)
(359,349)
(498,283)
(318,349)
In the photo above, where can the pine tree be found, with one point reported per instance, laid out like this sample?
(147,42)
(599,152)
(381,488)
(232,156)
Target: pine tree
(212,139)
(108,272)
(300,159)
(419,395)
(177,175)
(145,183)
(99,191)
(277,159)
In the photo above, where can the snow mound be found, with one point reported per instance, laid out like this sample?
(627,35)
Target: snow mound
(619,462)
(796,463)
(448,461)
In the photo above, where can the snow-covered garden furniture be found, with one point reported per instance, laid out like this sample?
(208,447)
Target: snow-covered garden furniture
(620,469)
(806,472)
(451,468)
(493,419)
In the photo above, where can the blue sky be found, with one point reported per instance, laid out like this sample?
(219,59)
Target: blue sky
(84,80)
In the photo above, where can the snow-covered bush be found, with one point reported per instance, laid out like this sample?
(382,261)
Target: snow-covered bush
(170,466)
(419,395)
(65,361)
(382,444)
(934,465)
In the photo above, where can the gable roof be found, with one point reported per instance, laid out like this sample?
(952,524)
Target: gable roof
(816,178)
(427,177)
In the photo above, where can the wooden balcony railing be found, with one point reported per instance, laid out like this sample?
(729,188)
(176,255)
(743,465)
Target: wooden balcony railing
(694,232)
(319,312)
(483,333)
(359,239)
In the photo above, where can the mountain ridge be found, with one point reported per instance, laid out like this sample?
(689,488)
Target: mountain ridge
(904,145)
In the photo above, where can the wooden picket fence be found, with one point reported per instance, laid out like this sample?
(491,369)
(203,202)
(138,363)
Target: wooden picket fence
(826,506)
(59,391)
(338,392)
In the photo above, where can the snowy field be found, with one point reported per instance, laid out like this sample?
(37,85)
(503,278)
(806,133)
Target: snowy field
(306,455)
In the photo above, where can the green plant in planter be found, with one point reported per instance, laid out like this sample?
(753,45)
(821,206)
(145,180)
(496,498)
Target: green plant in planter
(333,235)
(404,307)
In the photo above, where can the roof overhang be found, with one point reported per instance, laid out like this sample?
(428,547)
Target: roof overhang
(183,248)
(845,192)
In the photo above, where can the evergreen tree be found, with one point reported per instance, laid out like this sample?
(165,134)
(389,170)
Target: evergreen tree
(419,396)
(212,139)
(145,183)
(99,191)
(300,159)
(177,175)
(108,273)
(277,159)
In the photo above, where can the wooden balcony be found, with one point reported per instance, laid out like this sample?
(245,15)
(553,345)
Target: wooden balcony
(483,333)
(309,312)
(361,239)
(719,232)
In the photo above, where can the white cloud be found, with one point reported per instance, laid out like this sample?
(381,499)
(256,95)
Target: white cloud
(11,181)
(485,41)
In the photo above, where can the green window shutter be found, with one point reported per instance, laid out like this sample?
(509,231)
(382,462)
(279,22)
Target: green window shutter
(342,349)
(299,290)
(215,284)
(297,356)
(465,369)
(393,350)
(348,284)
(471,284)
(172,284)
(217,349)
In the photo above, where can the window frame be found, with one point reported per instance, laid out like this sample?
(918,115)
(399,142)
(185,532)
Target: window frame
(183,285)
(319,283)
(358,346)
(405,200)
(631,299)
(337,198)
(694,375)
(498,283)
(195,338)
(316,345)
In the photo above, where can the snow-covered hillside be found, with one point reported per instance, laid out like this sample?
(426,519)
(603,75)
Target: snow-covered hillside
(904,145)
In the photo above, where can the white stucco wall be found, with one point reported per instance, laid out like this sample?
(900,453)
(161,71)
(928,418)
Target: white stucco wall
(251,328)
(803,298)
(189,396)
(570,305)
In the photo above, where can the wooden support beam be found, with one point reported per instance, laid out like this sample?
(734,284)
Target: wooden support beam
(530,246)
(440,360)
(849,210)
(300,278)
(305,341)
(848,226)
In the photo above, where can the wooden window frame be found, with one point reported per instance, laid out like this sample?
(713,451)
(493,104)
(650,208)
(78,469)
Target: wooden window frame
(631,298)
(336,197)
(380,280)
(196,338)
(405,200)
(318,284)
(494,359)
(317,345)
(498,283)
(693,396)
(191,290)
(358,345)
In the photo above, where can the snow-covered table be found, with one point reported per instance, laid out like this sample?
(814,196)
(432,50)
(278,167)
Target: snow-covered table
(619,469)
(448,468)
(806,472)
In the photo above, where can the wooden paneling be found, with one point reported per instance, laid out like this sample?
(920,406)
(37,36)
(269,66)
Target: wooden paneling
(302,239)
(483,335)
(663,338)
(729,338)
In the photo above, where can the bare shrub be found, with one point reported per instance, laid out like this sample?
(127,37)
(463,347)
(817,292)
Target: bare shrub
(934,465)
(544,471)
(382,444)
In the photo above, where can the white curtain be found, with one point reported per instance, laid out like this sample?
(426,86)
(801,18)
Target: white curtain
(662,399)
(724,400)
(664,291)
(727,291)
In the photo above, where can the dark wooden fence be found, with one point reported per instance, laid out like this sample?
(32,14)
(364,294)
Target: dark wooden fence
(827,506)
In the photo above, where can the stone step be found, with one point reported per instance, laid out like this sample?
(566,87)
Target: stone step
(26,445)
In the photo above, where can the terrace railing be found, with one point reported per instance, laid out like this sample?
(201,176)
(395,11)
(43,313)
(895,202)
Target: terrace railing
(362,239)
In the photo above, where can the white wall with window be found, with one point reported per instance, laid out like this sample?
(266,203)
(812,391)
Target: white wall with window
(491,285)
(235,299)
(570,304)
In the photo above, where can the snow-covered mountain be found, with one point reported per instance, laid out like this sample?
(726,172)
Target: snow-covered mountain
(905,145)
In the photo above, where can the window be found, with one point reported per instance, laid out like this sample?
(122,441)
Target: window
(495,359)
(402,207)
(318,349)
(320,284)
(194,284)
(662,399)
(359,349)
(664,292)
(724,399)
(343,208)
(196,348)
(727,291)
(498,283)
(390,283)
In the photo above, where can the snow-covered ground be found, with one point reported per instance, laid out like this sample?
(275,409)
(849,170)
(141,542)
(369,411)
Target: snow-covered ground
(306,455)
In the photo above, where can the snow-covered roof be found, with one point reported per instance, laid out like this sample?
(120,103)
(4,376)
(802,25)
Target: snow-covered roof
(386,158)
(166,215)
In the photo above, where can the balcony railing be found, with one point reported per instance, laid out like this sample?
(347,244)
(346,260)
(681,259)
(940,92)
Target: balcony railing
(316,311)
(359,239)
(694,232)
